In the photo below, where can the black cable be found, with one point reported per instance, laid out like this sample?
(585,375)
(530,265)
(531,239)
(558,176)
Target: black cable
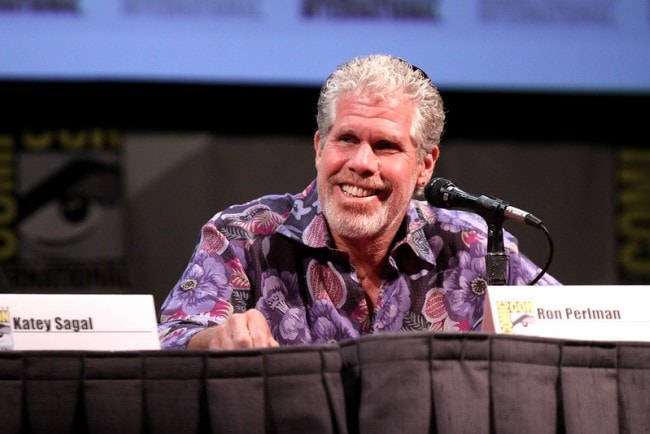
(550,255)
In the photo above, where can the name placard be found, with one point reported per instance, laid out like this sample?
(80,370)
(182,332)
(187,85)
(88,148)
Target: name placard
(102,322)
(585,312)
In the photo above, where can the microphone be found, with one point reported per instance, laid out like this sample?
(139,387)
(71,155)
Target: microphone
(443,193)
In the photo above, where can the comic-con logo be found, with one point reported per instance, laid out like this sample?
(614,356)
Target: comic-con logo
(515,313)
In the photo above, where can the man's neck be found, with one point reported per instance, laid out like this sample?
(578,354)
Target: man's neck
(369,258)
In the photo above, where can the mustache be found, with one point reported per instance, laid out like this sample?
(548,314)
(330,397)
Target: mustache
(360,182)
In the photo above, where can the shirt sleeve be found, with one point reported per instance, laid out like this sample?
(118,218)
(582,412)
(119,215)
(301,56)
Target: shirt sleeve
(523,271)
(204,295)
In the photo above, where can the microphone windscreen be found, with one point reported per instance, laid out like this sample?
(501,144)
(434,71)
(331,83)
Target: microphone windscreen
(433,192)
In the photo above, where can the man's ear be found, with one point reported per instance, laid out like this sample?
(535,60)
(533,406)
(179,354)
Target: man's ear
(317,148)
(428,164)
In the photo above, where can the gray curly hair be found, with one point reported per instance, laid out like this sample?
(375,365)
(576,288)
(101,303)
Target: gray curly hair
(386,75)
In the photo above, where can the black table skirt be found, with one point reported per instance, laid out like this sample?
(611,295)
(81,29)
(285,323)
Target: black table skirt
(404,383)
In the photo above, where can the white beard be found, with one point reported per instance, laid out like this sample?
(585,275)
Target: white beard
(359,223)
(355,225)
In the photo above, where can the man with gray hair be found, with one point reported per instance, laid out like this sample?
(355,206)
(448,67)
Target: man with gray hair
(355,252)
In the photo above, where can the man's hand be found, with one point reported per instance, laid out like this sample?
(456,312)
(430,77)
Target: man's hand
(241,330)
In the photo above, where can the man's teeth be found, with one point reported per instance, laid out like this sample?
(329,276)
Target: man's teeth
(356,191)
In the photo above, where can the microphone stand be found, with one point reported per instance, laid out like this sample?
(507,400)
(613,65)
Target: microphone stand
(496,261)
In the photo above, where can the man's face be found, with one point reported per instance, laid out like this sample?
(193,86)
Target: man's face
(368,168)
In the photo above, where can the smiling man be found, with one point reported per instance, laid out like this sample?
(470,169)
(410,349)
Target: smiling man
(354,253)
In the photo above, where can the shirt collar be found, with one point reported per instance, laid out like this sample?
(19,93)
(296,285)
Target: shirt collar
(306,225)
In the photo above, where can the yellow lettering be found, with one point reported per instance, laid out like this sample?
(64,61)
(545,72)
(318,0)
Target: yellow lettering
(8,243)
(521,306)
(38,141)
(72,141)
(634,212)
(8,209)
(505,320)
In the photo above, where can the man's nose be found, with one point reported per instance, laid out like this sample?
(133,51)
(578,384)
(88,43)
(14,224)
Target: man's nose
(363,159)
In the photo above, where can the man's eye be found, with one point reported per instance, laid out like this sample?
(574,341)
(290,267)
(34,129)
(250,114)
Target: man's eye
(386,146)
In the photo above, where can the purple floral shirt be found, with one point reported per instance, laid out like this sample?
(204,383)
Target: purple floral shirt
(274,254)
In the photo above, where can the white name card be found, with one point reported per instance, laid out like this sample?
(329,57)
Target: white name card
(585,312)
(102,322)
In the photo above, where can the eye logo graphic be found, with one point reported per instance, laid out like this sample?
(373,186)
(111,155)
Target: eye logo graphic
(68,228)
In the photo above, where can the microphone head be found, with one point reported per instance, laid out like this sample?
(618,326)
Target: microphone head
(437,190)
